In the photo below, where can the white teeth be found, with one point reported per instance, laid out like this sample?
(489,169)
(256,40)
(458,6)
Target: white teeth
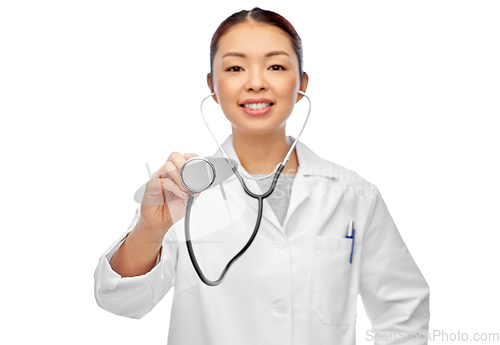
(256,106)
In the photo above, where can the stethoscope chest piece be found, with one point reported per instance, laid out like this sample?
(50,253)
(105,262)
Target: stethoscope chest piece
(201,173)
(198,174)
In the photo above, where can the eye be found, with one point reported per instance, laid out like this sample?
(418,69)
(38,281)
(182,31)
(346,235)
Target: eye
(231,69)
(282,68)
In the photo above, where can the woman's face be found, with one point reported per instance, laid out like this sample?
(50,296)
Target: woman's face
(244,70)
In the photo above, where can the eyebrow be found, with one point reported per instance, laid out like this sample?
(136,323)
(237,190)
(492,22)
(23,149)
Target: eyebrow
(278,52)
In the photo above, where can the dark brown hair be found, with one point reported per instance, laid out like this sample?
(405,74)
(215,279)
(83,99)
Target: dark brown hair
(261,16)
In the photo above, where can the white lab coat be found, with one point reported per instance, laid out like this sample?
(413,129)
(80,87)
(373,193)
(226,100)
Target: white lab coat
(294,285)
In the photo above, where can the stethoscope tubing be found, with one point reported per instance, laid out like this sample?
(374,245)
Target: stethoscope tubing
(260,198)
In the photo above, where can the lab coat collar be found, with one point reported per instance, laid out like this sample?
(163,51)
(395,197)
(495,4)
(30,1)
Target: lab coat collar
(311,167)
(310,164)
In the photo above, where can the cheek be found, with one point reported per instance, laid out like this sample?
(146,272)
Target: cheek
(225,92)
(226,95)
(291,85)
(287,93)
(221,86)
(225,85)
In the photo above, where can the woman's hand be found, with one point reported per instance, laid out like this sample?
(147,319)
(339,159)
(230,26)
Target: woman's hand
(165,199)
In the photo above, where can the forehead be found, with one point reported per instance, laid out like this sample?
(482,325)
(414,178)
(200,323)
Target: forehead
(254,39)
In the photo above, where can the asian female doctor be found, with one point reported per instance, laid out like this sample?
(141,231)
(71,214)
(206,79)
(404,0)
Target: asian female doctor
(299,280)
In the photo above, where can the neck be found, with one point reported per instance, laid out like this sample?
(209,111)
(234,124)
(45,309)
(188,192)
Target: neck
(259,154)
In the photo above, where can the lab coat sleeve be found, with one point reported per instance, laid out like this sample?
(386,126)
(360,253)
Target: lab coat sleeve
(394,292)
(134,297)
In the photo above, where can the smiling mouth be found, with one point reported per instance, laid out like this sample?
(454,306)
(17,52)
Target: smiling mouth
(257,109)
(256,106)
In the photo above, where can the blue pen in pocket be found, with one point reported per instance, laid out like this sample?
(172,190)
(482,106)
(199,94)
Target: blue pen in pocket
(350,234)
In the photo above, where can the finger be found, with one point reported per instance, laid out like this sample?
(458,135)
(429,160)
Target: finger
(174,166)
(160,173)
(169,185)
(196,195)
(171,170)
(163,171)
(188,156)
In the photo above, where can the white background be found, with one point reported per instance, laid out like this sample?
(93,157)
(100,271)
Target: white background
(406,93)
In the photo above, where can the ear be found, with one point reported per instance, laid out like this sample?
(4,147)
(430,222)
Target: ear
(210,86)
(303,86)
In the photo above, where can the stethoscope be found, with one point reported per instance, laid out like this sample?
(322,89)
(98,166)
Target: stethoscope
(199,174)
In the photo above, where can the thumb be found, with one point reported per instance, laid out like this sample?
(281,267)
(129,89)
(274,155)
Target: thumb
(189,155)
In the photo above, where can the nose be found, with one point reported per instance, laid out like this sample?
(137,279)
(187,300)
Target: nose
(256,80)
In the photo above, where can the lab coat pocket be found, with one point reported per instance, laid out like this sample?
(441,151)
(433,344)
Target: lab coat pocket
(331,280)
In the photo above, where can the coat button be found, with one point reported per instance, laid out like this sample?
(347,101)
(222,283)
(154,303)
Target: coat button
(280,244)
(281,308)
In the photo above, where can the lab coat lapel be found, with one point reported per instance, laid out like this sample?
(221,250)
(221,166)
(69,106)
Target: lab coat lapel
(311,167)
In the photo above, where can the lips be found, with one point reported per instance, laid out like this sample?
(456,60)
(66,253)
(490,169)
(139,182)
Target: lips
(256,100)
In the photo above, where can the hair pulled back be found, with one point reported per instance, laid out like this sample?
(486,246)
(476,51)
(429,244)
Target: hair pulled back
(260,16)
